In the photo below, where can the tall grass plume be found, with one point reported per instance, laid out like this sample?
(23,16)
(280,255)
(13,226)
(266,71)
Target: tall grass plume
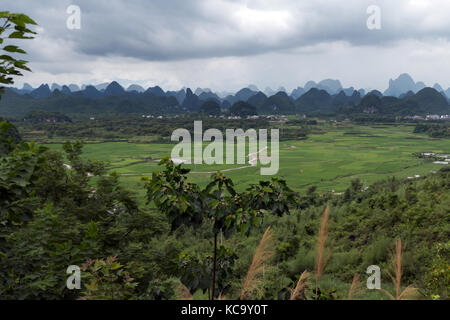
(321,255)
(299,292)
(356,288)
(184,293)
(410,292)
(253,281)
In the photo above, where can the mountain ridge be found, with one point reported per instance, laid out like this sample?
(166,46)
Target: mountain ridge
(326,97)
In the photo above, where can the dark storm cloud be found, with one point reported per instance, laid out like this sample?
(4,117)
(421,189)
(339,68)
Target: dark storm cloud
(161,30)
(229,44)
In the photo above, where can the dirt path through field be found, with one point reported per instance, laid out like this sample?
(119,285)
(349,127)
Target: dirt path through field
(196,172)
(224,170)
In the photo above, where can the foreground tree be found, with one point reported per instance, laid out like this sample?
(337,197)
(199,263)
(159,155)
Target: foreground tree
(13,26)
(187,204)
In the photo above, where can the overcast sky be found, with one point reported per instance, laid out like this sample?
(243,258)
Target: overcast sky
(226,45)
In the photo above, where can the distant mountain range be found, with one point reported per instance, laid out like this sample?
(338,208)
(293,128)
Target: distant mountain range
(403,97)
(397,87)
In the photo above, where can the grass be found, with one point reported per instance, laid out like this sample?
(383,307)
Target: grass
(396,264)
(329,161)
(330,281)
(322,255)
(355,288)
(298,293)
(253,282)
(184,293)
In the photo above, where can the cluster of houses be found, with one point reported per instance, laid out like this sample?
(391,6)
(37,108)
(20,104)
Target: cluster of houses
(255,117)
(429,117)
(152,117)
(437,117)
(439,158)
(442,159)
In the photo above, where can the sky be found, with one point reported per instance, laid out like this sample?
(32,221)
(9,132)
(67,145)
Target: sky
(227,45)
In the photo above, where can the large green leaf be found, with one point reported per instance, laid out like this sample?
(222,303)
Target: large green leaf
(11,48)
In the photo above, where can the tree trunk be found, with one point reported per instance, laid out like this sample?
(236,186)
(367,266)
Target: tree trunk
(214,268)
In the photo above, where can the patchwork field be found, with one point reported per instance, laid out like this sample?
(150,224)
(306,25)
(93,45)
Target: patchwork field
(329,161)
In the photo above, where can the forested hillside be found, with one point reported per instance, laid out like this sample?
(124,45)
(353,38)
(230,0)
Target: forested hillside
(115,100)
(59,210)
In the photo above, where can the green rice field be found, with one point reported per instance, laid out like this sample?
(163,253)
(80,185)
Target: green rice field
(329,161)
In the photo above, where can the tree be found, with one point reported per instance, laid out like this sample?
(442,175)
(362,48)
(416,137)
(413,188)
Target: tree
(187,204)
(210,107)
(13,26)
(46,116)
(9,137)
(243,109)
(53,214)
